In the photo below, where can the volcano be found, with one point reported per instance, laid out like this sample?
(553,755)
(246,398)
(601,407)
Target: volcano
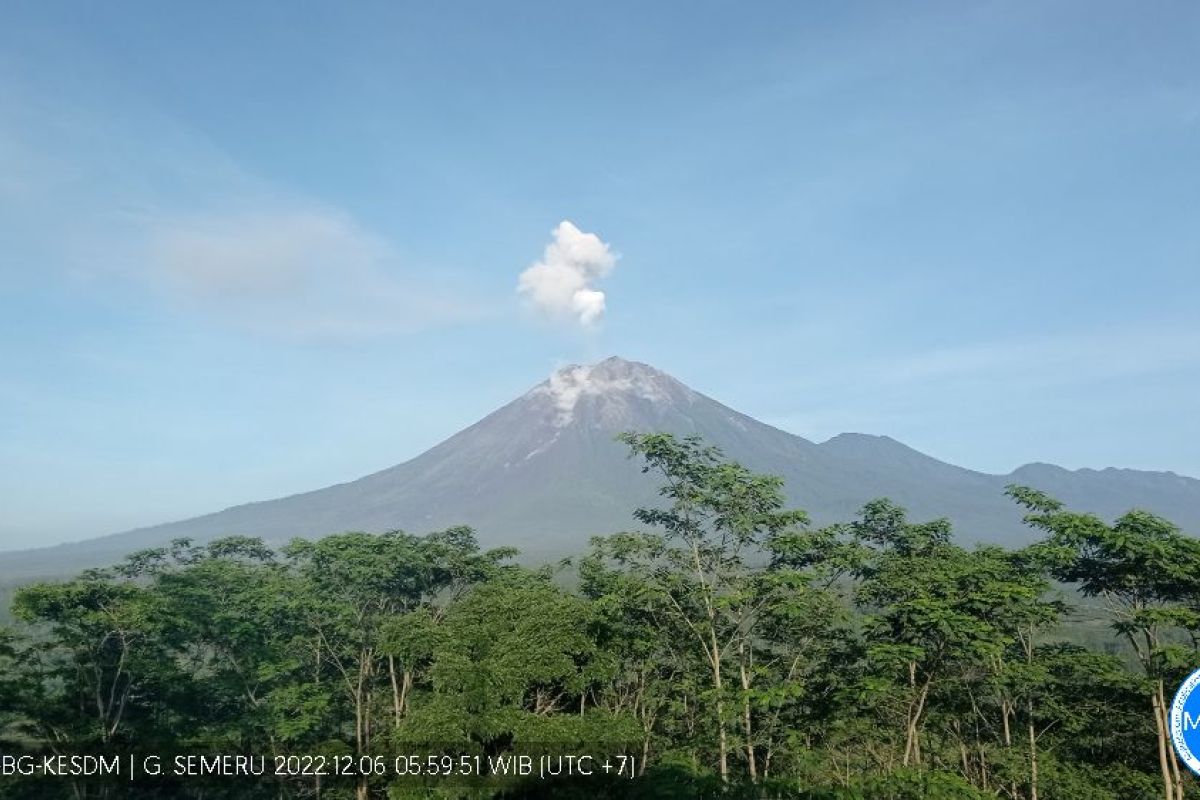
(544,473)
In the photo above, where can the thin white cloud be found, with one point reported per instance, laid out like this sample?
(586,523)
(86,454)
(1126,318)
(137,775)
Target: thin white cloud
(309,274)
(1068,358)
(137,202)
(560,285)
(249,256)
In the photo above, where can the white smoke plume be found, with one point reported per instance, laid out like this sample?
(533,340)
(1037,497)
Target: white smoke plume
(560,285)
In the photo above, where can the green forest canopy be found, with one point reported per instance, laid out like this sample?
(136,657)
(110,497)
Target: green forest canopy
(731,648)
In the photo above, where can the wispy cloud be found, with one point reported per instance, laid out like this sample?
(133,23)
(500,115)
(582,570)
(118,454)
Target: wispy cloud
(312,274)
(1073,358)
(561,284)
(183,223)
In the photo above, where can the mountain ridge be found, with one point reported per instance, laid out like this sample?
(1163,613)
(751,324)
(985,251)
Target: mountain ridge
(543,472)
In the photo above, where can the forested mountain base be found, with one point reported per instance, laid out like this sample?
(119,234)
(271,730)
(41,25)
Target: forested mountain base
(729,650)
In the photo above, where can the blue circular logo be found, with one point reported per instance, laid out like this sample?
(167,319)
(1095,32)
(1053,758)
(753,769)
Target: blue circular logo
(1185,722)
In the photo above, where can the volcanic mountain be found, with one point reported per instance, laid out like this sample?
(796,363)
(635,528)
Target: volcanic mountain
(544,473)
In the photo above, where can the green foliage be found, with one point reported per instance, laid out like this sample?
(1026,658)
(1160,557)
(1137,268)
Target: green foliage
(512,661)
(1147,575)
(907,784)
(732,649)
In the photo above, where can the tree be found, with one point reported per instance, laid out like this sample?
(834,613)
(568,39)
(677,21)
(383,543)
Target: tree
(694,573)
(934,609)
(108,654)
(649,671)
(19,687)
(514,662)
(225,616)
(1147,576)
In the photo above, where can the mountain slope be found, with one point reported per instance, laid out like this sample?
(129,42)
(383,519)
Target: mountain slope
(544,473)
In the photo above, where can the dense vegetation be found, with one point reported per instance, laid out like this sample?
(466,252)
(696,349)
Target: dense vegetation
(731,648)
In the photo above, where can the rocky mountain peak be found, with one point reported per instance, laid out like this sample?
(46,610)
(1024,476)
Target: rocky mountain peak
(612,385)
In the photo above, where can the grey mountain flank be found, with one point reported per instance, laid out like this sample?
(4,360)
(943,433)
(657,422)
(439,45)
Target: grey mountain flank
(544,473)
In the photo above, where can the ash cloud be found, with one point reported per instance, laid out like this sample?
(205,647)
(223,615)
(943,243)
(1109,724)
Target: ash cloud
(561,284)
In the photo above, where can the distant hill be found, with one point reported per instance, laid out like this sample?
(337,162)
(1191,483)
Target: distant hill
(544,473)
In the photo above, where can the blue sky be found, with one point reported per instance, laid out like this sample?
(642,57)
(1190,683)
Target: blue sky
(248,249)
